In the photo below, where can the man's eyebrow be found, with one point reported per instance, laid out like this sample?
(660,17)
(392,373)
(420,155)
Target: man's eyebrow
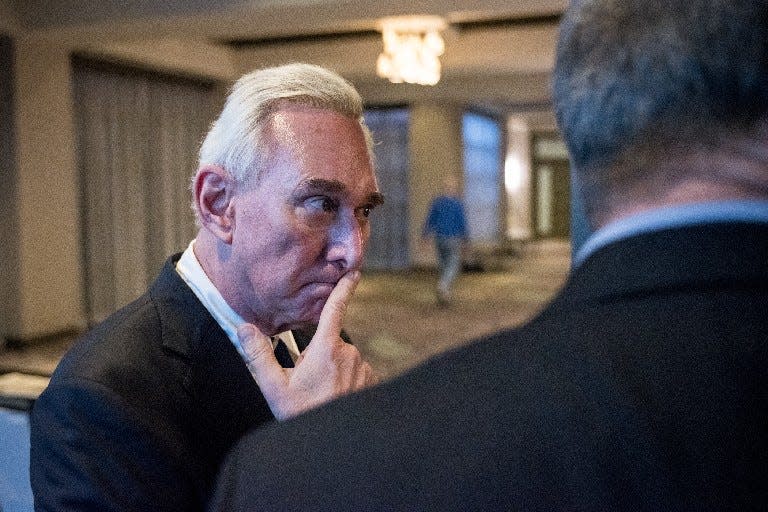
(376,199)
(320,185)
(323,186)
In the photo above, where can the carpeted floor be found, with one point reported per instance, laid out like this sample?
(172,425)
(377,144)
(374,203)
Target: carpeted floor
(396,321)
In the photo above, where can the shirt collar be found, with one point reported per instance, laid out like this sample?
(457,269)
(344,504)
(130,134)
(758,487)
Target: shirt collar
(670,218)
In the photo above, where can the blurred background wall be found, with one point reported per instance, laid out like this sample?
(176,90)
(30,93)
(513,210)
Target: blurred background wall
(104,104)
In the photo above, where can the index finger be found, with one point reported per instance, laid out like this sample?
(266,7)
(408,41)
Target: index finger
(332,316)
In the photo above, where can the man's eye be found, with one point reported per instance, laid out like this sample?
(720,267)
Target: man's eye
(365,211)
(323,203)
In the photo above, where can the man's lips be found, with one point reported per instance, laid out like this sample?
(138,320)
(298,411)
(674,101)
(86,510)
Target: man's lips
(326,279)
(320,286)
(321,283)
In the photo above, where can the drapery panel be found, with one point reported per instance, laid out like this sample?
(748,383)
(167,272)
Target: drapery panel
(388,245)
(138,135)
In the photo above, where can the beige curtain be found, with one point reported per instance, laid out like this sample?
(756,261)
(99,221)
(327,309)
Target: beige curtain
(138,136)
(388,245)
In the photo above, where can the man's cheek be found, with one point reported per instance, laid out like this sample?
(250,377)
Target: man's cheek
(293,241)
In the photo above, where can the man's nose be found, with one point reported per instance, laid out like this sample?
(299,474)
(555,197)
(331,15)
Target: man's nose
(347,242)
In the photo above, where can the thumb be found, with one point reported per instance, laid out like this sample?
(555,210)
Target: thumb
(260,359)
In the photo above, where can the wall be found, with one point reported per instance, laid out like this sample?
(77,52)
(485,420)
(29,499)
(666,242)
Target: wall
(435,151)
(9,21)
(41,281)
(50,295)
(9,257)
(174,56)
(517,180)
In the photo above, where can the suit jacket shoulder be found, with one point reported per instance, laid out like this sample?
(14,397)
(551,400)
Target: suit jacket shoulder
(150,399)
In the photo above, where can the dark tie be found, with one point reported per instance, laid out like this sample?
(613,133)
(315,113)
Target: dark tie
(282,355)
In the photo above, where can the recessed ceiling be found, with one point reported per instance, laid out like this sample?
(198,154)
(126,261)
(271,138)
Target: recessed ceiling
(498,53)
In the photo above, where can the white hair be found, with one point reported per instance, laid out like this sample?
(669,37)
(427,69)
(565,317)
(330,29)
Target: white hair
(234,140)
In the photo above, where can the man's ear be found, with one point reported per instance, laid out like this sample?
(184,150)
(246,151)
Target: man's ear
(214,190)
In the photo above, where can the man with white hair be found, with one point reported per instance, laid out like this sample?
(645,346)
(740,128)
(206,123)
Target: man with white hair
(643,385)
(141,411)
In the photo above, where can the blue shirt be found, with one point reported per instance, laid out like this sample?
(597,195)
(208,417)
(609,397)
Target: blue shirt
(446,218)
(673,217)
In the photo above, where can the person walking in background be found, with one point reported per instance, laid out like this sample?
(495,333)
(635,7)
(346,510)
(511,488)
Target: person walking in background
(447,222)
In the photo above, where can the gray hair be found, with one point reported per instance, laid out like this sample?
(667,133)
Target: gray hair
(235,138)
(637,79)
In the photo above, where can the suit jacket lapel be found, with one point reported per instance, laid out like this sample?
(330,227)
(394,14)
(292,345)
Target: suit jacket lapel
(224,399)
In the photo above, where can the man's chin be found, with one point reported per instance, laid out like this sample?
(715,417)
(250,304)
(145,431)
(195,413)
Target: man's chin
(316,296)
(310,317)
(305,308)
(315,311)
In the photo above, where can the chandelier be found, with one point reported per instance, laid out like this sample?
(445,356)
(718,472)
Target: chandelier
(412,45)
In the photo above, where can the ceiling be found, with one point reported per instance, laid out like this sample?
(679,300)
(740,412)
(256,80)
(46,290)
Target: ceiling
(498,53)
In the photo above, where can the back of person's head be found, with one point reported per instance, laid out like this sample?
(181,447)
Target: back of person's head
(644,88)
(235,140)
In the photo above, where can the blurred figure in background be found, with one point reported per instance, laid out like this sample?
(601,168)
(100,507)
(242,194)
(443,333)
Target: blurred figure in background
(643,385)
(447,223)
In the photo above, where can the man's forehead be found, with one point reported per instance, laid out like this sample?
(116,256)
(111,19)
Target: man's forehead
(299,125)
(286,116)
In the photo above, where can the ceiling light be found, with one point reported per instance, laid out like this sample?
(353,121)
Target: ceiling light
(412,45)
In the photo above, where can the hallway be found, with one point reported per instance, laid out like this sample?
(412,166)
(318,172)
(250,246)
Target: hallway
(394,318)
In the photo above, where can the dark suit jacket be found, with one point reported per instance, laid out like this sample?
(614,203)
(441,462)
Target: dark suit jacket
(642,386)
(140,412)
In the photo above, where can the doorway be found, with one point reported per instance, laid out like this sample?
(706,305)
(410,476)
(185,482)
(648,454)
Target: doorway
(551,188)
